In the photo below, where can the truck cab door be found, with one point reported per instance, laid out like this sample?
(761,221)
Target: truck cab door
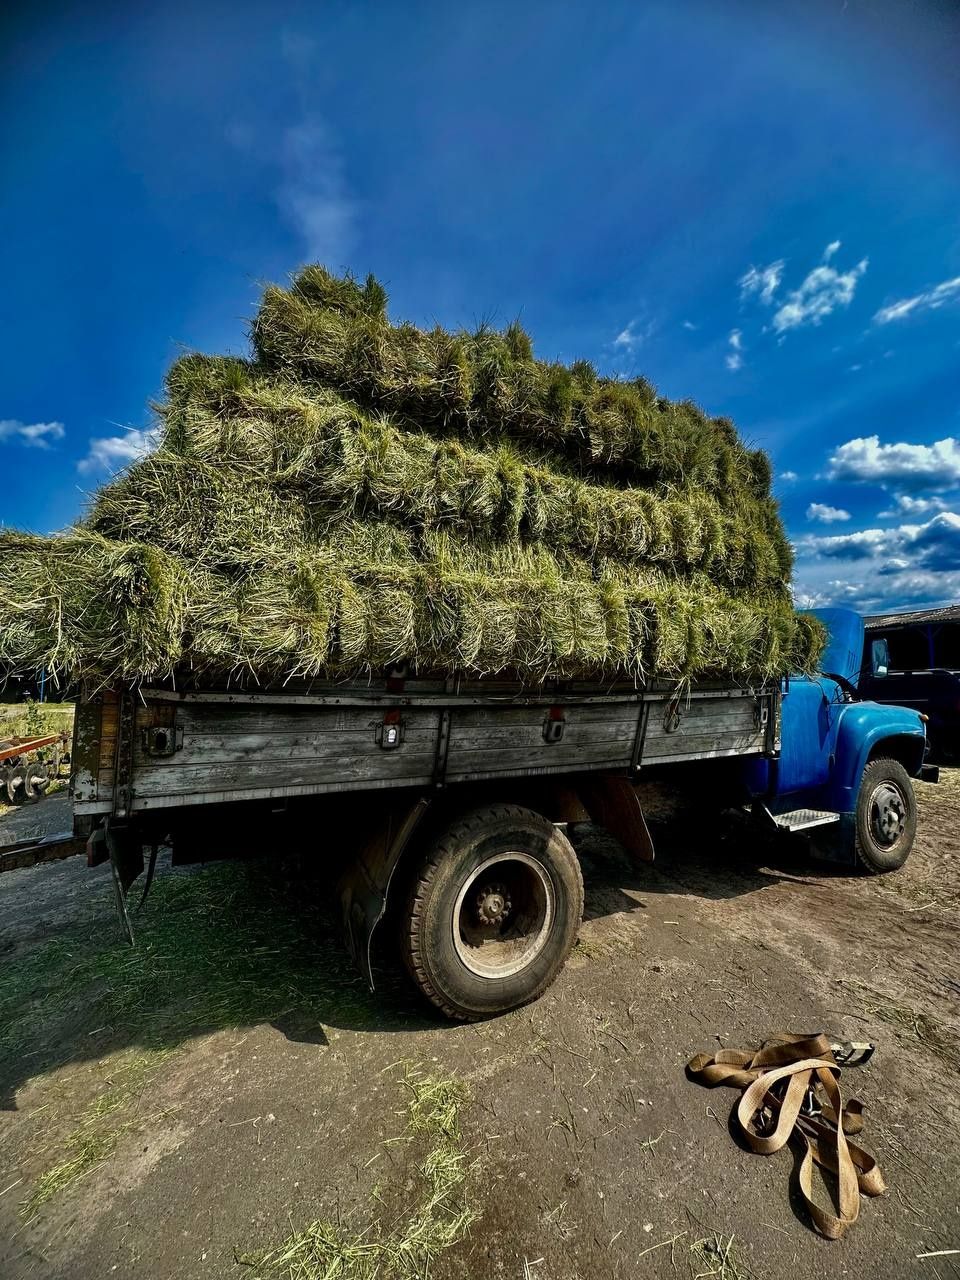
(810,717)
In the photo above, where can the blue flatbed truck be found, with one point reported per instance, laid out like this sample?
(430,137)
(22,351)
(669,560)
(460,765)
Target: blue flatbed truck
(446,799)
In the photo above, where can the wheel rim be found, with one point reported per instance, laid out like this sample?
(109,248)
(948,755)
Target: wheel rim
(503,915)
(888,814)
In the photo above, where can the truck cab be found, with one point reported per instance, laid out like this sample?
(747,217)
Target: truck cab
(913,660)
(845,763)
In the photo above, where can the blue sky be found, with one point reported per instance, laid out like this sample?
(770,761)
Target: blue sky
(756,206)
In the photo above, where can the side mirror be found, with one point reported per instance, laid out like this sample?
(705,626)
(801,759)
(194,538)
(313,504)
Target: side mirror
(879,657)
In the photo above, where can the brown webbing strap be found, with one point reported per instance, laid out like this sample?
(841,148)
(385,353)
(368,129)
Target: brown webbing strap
(790,1086)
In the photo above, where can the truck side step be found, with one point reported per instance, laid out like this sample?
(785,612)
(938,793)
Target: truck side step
(803,819)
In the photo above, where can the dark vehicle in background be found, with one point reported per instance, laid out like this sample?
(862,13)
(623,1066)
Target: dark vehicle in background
(913,660)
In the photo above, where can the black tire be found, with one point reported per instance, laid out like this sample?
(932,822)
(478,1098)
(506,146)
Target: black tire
(886,817)
(493,912)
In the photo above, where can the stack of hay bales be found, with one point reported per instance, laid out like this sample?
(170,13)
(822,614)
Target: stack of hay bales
(359,493)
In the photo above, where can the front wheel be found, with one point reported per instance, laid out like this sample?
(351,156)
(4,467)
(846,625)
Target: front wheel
(493,912)
(886,817)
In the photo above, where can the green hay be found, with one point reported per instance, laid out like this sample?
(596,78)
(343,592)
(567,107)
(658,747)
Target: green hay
(486,383)
(83,602)
(374,593)
(363,492)
(344,464)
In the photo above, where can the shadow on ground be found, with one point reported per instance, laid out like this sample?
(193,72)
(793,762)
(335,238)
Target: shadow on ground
(715,860)
(243,944)
(218,946)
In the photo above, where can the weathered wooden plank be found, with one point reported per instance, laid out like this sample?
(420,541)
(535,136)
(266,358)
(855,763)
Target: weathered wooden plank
(399,766)
(245,720)
(204,749)
(691,746)
(497,761)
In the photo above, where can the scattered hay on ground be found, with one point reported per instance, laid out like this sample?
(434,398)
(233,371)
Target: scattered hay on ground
(440,1216)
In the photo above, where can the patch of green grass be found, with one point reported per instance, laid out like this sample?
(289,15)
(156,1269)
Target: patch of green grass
(224,946)
(439,1217)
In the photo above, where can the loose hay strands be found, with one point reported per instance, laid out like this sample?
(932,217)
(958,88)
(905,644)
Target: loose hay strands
(439,1218)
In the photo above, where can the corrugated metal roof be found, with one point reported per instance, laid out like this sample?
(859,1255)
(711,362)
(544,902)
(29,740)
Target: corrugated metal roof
(947,613)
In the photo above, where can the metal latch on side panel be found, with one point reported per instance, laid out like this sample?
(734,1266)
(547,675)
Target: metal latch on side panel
(672,715)
(761,712)
(553,725)
(162,739)
(390,731)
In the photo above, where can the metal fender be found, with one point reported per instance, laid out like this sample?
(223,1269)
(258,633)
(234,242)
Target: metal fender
(863,727)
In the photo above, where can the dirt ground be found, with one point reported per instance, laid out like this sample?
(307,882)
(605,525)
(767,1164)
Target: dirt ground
(230,1081)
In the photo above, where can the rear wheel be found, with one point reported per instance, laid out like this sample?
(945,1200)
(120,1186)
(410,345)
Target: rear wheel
(493,912)
(886,817)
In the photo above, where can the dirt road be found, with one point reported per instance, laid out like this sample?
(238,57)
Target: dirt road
(230,1083)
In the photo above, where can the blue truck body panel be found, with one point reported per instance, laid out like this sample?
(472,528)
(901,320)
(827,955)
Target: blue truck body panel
(843,655)
(827,740)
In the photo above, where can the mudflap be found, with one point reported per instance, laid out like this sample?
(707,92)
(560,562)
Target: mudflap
(125,851)
(613,804)
(365,884)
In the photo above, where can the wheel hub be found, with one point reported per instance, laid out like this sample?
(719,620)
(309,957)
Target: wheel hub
(888,814)
(493,904)
(503,915)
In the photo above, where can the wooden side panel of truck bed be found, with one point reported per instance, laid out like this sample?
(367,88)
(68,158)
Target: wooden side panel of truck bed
(160,750)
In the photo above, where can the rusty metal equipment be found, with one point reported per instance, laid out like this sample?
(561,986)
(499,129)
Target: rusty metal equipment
(29,765)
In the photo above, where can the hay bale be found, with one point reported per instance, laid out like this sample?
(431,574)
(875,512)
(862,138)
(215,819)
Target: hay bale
(487,383)
(361,492)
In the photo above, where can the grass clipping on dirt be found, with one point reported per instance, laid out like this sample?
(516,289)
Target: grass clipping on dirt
(358,493)
(438,1218)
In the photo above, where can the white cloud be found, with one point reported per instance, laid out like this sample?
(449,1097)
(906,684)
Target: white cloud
(313,195)
(826,514)
(897,466)
(823,290)
(108,453)
(932,547)
(32,435)
(687,324)
(634,335)
(907,506)
(831,249)
(866,544)
(734,359)
(763,281)
(902,589)
(930,300)
(789,477)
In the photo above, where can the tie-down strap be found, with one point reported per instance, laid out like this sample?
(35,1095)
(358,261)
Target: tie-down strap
(790,1087)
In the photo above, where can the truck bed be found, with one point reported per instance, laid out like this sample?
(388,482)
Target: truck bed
(154,748)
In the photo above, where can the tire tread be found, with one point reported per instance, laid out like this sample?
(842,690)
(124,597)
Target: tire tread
(470,825)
